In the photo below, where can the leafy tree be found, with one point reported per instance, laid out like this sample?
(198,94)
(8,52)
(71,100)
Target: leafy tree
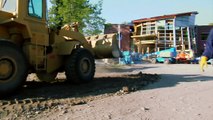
(55,19)
(210,23)
(81,11)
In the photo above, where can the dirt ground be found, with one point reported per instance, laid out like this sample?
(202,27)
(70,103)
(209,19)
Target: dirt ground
(136,92)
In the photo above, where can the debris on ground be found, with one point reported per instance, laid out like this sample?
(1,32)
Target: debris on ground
(40,97)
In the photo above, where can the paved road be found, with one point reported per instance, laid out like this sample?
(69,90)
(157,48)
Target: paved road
(183,93)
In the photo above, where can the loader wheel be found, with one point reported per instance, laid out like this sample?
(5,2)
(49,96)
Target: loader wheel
(80,66)
(13,67)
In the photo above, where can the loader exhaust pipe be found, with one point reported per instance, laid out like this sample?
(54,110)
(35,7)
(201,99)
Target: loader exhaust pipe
(104,46)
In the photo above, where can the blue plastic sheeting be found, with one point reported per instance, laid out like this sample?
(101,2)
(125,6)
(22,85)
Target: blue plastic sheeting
(130,57)
(136,56)
(127,58)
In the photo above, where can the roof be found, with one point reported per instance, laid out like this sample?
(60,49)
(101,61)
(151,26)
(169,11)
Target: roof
(164,17)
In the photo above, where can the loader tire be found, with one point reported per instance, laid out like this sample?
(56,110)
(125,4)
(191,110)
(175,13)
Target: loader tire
(80,66)
(13,68)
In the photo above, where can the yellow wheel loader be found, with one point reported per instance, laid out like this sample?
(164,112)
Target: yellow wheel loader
(27,45)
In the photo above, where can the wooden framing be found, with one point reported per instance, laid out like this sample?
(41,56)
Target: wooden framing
(162,32)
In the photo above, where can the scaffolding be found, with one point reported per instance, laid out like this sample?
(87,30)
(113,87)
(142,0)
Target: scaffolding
(163,32)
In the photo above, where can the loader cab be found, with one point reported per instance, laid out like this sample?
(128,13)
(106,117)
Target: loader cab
(8,9)
(27,17)
(34,13)
(27,8)
(35,9)
(8,5)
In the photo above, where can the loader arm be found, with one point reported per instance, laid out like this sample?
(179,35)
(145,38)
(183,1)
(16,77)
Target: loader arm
(76,36)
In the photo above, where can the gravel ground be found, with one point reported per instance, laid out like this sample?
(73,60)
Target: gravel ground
(136,92)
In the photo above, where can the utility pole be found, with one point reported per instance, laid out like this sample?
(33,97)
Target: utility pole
(119,40)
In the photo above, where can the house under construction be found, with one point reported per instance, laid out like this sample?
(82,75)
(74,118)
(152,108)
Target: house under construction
(162,32)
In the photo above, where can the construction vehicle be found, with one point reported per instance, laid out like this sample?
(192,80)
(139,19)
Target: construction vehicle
(185,57)
(166,56)
(27,45)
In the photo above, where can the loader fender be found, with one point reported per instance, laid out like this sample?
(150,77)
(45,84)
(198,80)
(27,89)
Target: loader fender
(19,25)
(65,48)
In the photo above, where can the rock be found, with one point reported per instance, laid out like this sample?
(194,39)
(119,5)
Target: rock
(4,114)
(109,116)
(65,111)
(145,108)
(125,89)
(134,88)
(37,112)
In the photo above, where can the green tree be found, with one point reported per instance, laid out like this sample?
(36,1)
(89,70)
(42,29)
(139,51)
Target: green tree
(210,23)
(81,11)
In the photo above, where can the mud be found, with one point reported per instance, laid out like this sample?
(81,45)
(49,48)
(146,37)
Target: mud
(40,98)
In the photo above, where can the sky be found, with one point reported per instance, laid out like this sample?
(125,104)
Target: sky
(120,11)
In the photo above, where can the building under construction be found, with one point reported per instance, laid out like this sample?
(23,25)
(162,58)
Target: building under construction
(125,33)
(162,32)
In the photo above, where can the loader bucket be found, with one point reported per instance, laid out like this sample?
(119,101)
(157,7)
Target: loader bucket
(104,46)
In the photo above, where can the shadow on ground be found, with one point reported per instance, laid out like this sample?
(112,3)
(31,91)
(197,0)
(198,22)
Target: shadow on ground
(104,85)
(171,80)
(99,86)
